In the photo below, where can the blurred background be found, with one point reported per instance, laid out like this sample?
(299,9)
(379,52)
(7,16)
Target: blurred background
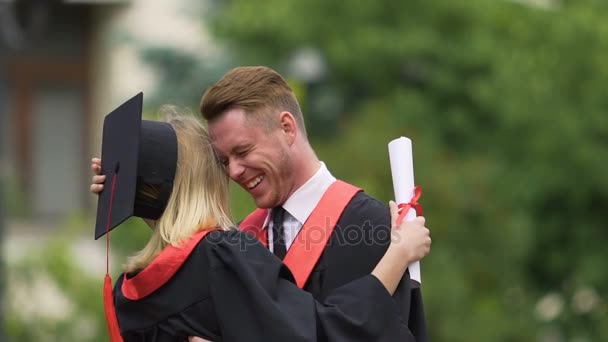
(505,100)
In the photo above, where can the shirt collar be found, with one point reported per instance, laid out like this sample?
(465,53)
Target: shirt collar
(302,202)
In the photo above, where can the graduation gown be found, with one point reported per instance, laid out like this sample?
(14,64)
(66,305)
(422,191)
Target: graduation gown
(226,286)
(360,239)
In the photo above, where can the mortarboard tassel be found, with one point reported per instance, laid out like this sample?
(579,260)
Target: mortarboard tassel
(108,296)
(108,303)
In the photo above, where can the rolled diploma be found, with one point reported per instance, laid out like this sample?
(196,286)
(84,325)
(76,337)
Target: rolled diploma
(402,170)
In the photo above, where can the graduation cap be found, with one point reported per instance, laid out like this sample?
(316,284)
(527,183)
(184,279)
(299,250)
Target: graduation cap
(134,152)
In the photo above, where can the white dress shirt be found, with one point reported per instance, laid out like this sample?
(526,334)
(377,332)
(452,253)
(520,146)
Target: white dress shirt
(300,205)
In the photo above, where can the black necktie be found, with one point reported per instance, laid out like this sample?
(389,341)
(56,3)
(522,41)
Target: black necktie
(278,236)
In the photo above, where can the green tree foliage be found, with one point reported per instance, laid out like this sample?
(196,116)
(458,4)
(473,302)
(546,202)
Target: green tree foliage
(506,103)
(55,292)
(182,77)
(2,262)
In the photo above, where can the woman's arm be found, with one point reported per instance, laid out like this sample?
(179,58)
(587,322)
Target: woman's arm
(410,242)
(255,298)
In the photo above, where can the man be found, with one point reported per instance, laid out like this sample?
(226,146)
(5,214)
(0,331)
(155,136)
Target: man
(258,133)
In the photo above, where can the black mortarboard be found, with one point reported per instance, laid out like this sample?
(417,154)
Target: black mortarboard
(134,152)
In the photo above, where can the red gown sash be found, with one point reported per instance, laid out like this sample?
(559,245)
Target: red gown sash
(310,242)
(160,270)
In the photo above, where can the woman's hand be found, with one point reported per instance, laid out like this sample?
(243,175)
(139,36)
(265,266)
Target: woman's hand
(410,241)
(197,339)
(411,238)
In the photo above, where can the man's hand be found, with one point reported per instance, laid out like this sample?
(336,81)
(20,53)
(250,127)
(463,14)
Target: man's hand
(98,179)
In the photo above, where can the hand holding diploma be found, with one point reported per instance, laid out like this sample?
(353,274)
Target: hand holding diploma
(406,193)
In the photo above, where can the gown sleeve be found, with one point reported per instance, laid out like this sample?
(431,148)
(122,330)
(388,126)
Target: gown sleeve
(256,299)
(351,261)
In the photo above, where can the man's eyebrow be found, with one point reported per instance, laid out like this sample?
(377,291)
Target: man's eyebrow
(241,147)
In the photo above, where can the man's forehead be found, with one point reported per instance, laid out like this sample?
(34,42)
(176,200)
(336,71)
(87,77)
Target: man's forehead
(219,131)
(212,135)
(226,143)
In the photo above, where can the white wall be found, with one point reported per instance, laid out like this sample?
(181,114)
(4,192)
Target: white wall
(118,71)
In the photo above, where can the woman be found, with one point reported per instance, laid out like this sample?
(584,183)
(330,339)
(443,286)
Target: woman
(198,276)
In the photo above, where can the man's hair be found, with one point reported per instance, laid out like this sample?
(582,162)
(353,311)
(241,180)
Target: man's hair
(259,91)
(199,199)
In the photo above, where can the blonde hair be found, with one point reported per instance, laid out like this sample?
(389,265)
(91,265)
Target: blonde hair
(199,199)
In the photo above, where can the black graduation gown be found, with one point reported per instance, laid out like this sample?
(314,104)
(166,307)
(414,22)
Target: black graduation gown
(230,288)
(357,244)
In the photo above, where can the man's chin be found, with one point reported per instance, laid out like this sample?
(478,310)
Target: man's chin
(263,203)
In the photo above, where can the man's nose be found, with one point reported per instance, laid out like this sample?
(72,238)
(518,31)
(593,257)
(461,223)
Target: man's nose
(235,169)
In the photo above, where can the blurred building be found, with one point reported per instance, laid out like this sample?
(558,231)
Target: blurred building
(63,65)
(47,56)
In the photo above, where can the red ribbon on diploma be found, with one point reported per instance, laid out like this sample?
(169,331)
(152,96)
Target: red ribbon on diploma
(413,203)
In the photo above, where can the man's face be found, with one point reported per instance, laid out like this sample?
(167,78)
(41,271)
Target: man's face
(257,160)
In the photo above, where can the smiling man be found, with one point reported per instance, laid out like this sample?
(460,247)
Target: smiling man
(328,232)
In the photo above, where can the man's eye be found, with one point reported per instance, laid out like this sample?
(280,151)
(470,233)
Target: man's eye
(242,153)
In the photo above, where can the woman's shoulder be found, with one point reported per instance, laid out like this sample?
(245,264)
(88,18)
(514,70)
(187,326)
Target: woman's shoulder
(232,239)
(233,245)
(229,236)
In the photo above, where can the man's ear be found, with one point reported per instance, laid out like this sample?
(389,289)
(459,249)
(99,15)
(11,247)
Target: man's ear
(288,126)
